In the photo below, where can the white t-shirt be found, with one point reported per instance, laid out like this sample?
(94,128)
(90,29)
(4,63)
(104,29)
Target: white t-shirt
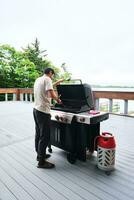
(42,97)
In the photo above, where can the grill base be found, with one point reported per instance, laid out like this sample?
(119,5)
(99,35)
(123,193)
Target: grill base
(74,138)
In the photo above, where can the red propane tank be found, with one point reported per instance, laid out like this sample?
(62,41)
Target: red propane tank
(106,151)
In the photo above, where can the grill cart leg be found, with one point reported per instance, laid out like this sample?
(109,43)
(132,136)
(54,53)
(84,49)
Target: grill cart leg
(93,130)
(81,142)
(86,140)
(49,148)
(71,158)
(72,155)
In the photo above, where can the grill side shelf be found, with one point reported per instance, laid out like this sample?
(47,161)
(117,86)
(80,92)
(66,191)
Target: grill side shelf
(99,118)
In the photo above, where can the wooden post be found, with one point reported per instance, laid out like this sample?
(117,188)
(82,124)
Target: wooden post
(18,94)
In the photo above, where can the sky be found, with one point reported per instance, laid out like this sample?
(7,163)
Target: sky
(95,38)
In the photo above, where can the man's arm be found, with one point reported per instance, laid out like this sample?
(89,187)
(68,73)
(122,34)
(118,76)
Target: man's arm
(58,82)
(54,96)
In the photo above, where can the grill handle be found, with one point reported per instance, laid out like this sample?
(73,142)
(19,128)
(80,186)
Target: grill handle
(69,79)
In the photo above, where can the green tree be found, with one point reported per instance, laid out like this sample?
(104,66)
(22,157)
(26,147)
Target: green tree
(37,56)
(15,69)
(6,69)
(21,68)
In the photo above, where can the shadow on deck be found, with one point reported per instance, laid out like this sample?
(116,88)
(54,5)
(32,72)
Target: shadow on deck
(21,180)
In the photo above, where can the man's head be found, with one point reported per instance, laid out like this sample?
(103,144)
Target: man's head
(49,72)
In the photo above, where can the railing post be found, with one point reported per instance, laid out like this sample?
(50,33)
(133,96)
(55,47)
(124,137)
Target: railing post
(97,104)
(18,95)
(31,97)
(14,97)
(21,97)
(125,107)
(26,97)
(110,105)
(6,96)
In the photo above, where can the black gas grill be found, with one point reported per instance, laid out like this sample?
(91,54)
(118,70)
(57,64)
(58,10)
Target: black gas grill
(74,127)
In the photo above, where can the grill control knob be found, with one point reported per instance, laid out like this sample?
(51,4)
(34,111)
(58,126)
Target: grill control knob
(57,117)
(65,120)
(82,119)
(61,119)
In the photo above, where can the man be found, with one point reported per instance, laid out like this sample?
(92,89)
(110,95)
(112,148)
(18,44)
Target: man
(43,92)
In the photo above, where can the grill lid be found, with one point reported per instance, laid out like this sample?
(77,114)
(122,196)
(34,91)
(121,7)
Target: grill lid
(75,97)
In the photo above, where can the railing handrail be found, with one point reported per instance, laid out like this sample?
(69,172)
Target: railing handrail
(8,90)
(97,94)
(125,95)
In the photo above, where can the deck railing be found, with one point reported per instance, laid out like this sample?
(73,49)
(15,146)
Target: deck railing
(18,94)
(114,95)
(26,94)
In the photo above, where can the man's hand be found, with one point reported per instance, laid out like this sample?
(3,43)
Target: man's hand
(54,95)
(58,82)
(59,101)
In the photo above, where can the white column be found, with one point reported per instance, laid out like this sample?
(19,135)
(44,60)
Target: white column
(6,97)
(14,97)
(31,97)
(26,97)
(96,104)
(110,105)
(21,97)
(125,107)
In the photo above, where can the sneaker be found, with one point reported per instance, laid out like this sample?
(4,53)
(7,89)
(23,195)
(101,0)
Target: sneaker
(46,157)
(45,165)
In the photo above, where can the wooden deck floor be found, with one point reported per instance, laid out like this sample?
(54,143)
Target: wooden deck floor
(20,178)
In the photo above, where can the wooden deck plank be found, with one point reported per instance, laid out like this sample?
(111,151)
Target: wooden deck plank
(13,186)
(5,193)
(21,179)
(87,181)
(13,122)
(90,176)
(45,176)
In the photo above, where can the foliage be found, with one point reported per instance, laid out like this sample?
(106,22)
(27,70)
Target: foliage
(38,57)
(15,69)
(35,55)
(21,68)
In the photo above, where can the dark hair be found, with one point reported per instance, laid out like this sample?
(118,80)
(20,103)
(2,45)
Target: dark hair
(48,70)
